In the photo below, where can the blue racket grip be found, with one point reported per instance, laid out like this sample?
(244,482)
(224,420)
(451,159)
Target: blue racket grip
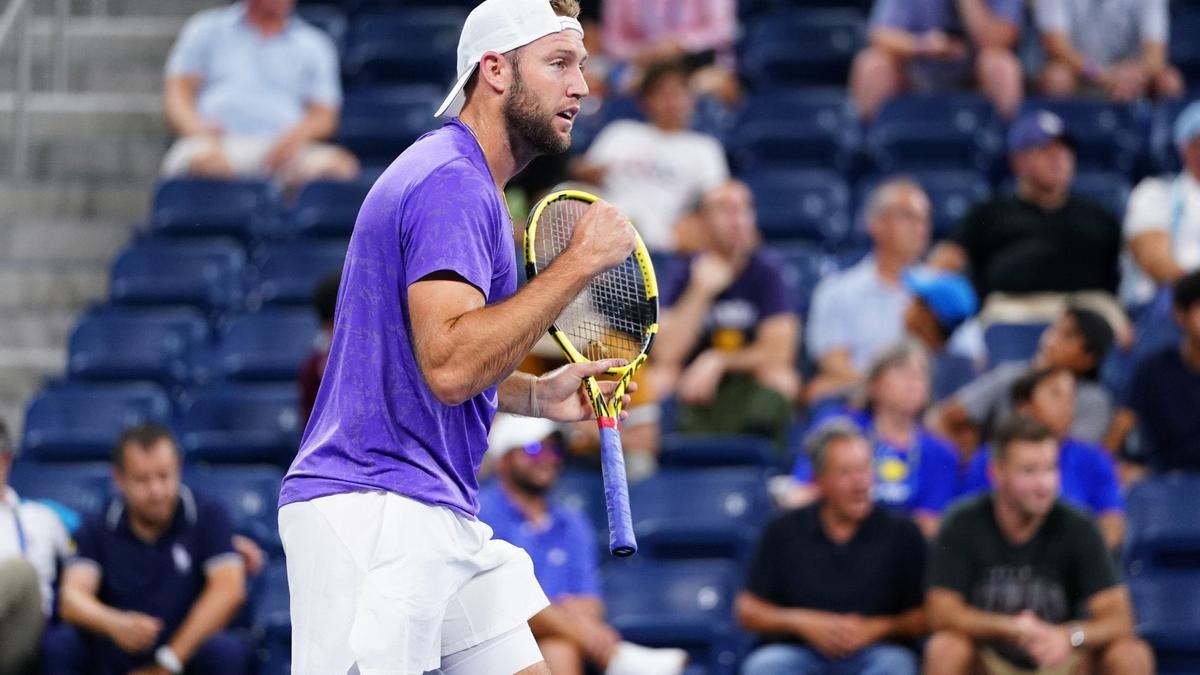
(621,542)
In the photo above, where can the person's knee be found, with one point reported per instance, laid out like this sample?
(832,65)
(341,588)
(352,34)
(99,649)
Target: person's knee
(998,67)
(1058,80)
(1127,656)
(890,660)
(1169,83)
(782,380)
(222,653)
(949,652)
(876,66)
(776,660)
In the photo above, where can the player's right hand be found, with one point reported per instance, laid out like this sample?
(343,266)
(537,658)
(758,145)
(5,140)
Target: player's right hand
(135,632)
(603,237)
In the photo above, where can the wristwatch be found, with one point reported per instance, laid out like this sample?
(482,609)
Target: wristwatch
(168,659)
(1076,636)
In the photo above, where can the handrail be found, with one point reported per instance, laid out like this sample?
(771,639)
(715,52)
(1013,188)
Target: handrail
(17,17)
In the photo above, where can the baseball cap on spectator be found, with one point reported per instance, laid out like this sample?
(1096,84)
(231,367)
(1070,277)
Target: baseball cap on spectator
(948,295)
(1035,129)
(1187,125)
(510,432)
(500,26)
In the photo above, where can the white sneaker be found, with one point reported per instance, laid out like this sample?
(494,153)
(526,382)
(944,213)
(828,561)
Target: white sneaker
(631,659)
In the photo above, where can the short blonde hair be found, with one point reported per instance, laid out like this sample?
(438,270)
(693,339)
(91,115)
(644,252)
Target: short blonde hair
(566,8)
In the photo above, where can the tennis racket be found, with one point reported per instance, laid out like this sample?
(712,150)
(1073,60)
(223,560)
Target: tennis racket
(615,316)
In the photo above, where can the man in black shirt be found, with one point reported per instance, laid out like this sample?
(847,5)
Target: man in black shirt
(831,582)
(1019,582)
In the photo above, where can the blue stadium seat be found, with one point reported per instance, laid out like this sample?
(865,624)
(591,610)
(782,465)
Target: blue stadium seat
(700,513)
(271,615)
(203,207)
(80,422)
(1161,532)
(806,130)
(1167,607)
(952,372)
(1012,341)
(951,194)
(685,604)
(288,273)
(1185,41)
(269,345)
(922,132)
(804,266)
(1107,187)
(328,208)
(84,487)
(786,49)
(1105,134)
(584,492)
(807,205)
(244,424)
(703,450)
(403,46)
(329,19)
(378,124)
(1164,157)
(128,344)
(204,274)
(249,494)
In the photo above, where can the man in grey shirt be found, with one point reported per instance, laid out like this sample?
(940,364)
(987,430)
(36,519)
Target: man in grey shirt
(1118,47)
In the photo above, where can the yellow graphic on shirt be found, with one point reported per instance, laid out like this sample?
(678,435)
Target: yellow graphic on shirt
(728,339)
(893,470)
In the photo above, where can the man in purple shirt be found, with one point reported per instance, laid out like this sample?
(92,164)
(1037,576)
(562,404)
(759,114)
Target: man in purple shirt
(389,569)
(939,44)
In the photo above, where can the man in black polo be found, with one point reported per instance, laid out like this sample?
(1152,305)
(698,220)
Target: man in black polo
(833,583)
(156,578)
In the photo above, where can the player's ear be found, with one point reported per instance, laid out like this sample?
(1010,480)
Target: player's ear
(495,72)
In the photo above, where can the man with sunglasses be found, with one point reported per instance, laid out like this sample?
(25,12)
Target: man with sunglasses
(528,458)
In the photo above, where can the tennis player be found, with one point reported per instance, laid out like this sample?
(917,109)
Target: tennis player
(389,569)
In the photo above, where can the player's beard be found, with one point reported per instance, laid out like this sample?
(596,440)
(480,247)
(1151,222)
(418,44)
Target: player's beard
(528,124)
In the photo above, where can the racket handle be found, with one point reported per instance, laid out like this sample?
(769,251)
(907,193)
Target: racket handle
(621,542)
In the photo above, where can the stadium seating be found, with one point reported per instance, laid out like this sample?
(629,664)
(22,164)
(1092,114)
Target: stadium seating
(249,494)
(377,124)
(923,132)
(1184,41)
(80,422)
(951,195)
(805,266)
(207,275)
(243,423)
(703,450)
(792,48)
(1105,134)
(1167,608)
(1012,341)
(202,207)
(403,46)
(126,344)
(272,619)
(1157,534)
(808,129)
(329,18)
(1107,187)
(328,208)
(802,205)
(269,345)
(288,273)
(1164,156)
(81,487)
(583,490)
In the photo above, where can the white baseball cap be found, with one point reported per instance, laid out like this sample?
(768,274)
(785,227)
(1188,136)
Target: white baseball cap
(509,432)
(500,26)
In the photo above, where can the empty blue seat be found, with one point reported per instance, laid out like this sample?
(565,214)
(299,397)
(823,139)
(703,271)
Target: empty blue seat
(808,129)
(801,47)
(700,513)
(80,422)
(702,450)
(288,273)
(1012,341)
(804,266)
(328,208)
(1161,530)
(271,604)
(1167,607)
(1107,187)
(84,488)
(203,274)
(808,205)
(583,491)
(128,344)
(244,423)
(1164,156)
(1184,41)
(378,124)
(1105,134)
(204,207)
(951,195)
(250,495)
(269,345)
(403,46)
(922,132)
(329,19)
(686,604)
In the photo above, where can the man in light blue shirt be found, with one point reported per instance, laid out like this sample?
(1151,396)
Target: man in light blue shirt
(251,90)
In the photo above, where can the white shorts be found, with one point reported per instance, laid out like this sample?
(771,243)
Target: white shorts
(383,584)
(247,156)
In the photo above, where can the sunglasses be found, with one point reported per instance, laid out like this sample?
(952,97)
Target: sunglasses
(542,450)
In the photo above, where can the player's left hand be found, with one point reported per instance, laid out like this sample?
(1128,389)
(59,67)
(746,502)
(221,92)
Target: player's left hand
(559,395)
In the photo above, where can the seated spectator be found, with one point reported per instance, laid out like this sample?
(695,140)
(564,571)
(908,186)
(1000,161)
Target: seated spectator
(834,586)
(655,171)
(252,90)
(1078,341)
(33,542)
(324,303)
(1116,48)
(915,471)
(1164,392)
(941,303)
(937,45)
(1020,583)
(859,312)
(1087,472)
(571,632)
(155,580)
(1025,251)
(1162,221)
(728,341)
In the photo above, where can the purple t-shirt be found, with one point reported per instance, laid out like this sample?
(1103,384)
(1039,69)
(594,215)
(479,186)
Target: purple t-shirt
(922,16)
(376,424)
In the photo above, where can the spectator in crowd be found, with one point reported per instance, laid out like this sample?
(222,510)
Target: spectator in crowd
(1162,221)
(915,471)
(156,578)
(941,303)
(1087,472)
(571,632)
(33,542)
(834,586)
(324,302)
(1078,341)
(857,313)
(1117,48)
(252,90)
(940,44)
(1025,251)
(728,342)
(1020,581)
(655,171)
(1164,392)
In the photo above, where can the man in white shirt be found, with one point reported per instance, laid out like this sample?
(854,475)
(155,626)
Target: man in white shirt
(32,540)
(1162,221)
(656,171)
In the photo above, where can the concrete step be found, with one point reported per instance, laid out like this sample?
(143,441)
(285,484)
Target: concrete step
(122,199)
(26,329)
(51,286)
(117,157)
(23,371)
(135,8)
(62,240)
(12,412)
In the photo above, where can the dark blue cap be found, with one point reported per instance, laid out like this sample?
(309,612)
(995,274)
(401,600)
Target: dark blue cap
(1035,129)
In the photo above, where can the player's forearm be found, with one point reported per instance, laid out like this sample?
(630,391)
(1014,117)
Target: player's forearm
(515,394)
(211,612)
(84,610)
